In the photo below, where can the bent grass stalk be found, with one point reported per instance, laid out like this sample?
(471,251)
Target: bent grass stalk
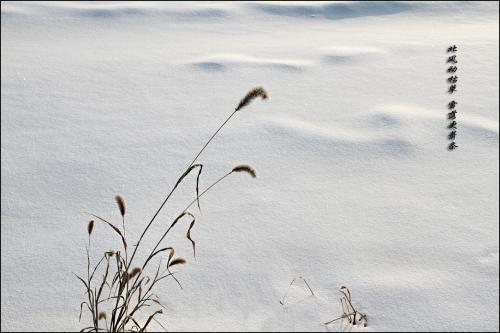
(185,211)
(349,312)
(240,168)
(283,299)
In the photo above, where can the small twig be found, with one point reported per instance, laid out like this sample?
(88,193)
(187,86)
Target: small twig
(286,294)
(307,284)
(341,317)
(282,302)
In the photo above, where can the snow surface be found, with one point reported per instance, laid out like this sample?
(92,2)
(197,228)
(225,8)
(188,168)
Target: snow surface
(354,185)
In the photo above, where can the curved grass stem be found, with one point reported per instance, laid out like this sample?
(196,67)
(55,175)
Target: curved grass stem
(173,189)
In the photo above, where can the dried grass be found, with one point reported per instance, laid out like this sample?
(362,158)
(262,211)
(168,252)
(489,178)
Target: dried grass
(246,168)
(121,204)
(127,293)
(251,95)
(177,261)
(90,227)
(349,312)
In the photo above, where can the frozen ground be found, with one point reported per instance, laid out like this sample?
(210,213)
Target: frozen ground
(354,186)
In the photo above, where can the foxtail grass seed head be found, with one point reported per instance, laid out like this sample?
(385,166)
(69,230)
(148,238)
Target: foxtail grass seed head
(251,95)
(134,272)
(90,227)
(177,261)
(170,255)
(102,315)
(121,204)
(245,168)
